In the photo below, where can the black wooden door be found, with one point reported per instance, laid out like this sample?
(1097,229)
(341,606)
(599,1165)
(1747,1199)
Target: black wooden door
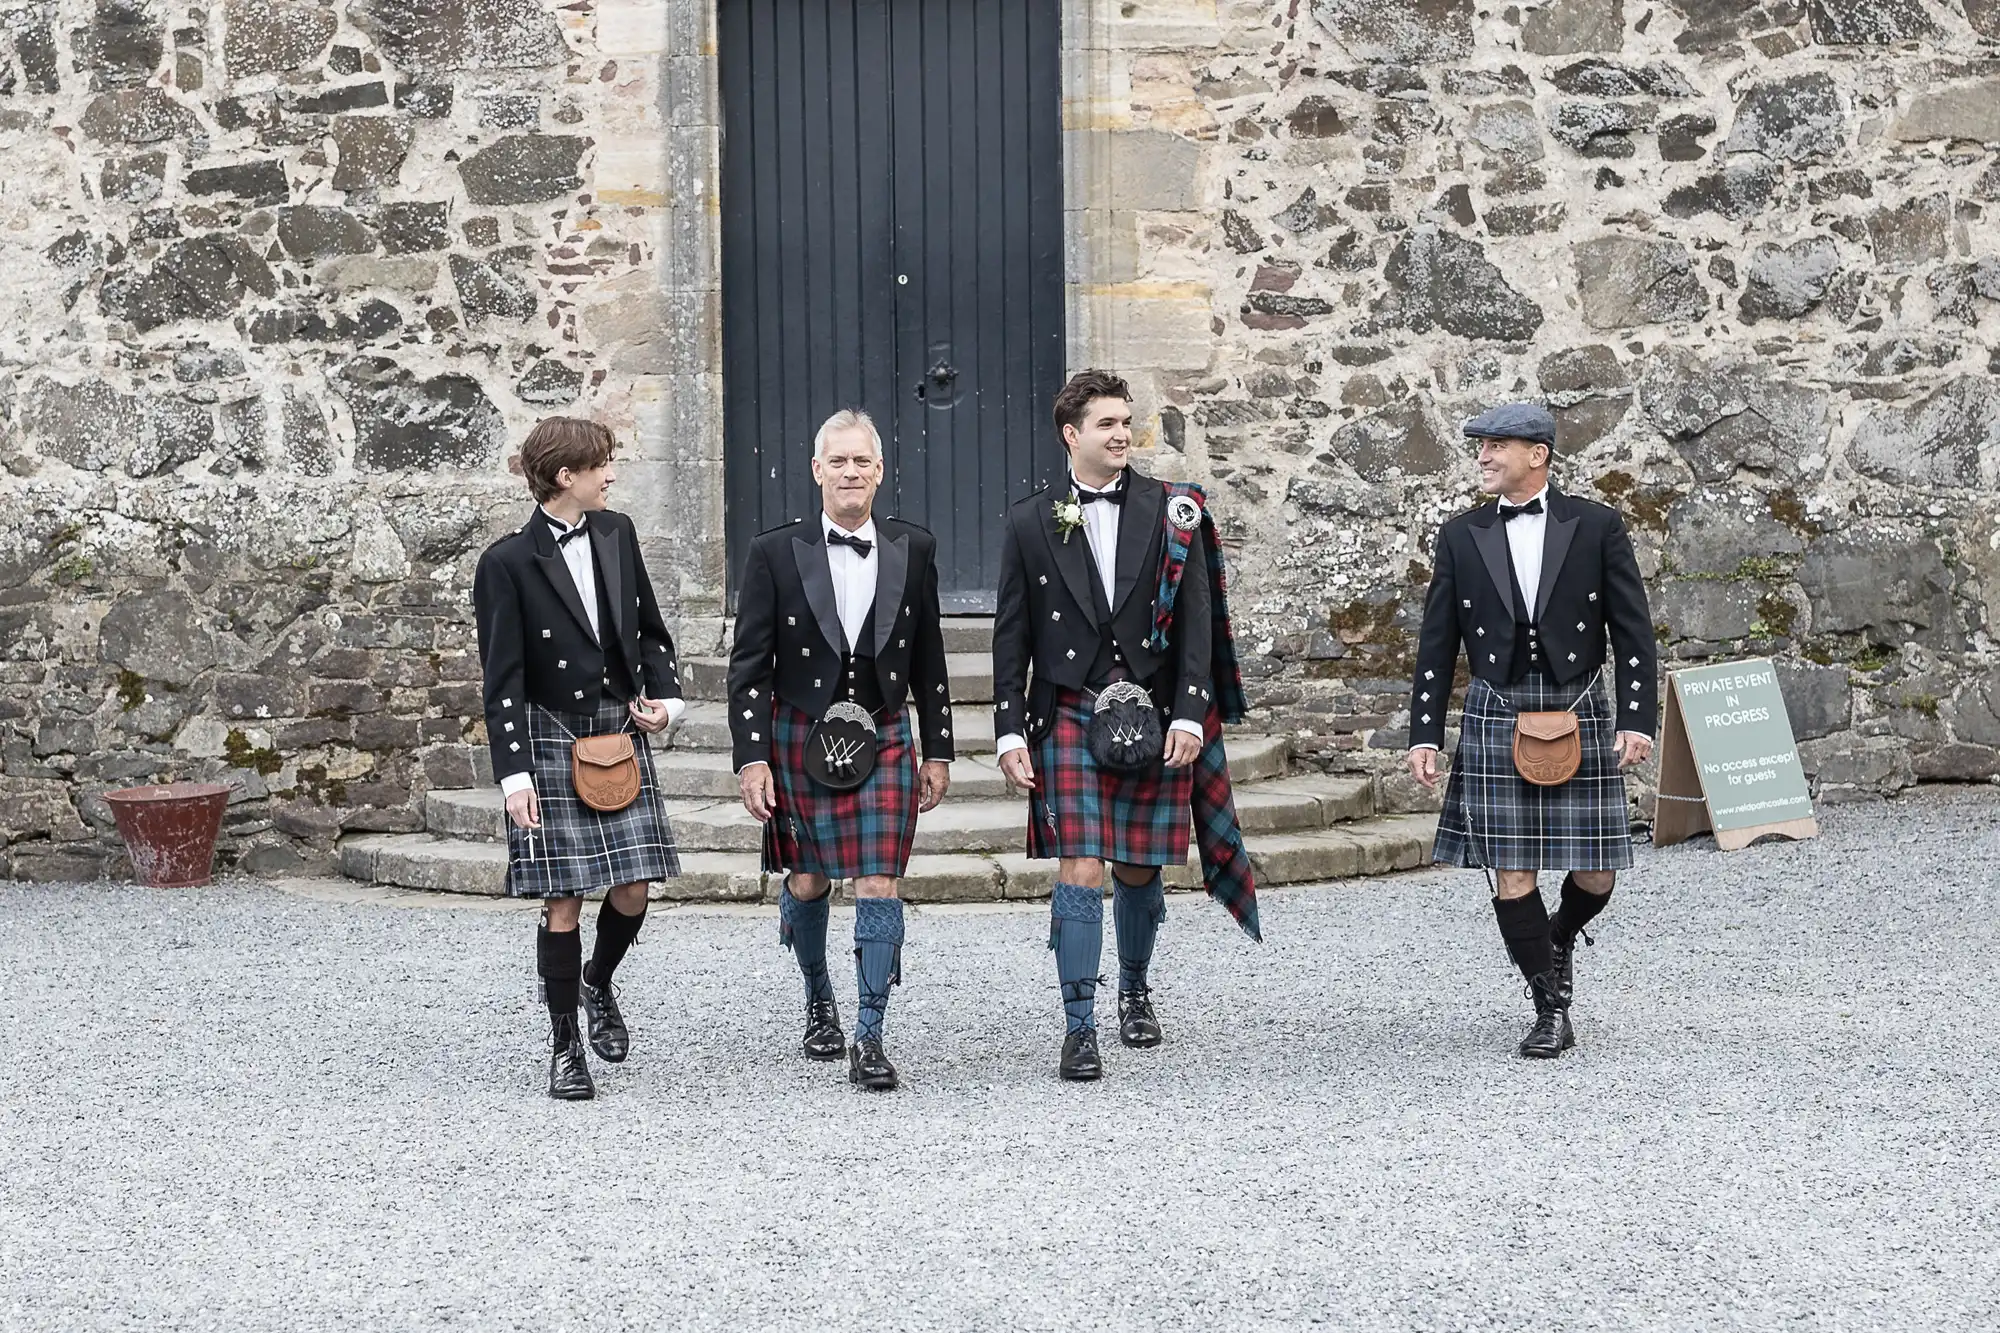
(892,240)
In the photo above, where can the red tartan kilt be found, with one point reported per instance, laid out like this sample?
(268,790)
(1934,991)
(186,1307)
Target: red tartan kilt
(841,834)
(1078,809)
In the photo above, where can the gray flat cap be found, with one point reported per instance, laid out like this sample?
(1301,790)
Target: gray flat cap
(1515,421)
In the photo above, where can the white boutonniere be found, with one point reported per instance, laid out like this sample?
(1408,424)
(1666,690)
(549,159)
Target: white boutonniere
(1069,515)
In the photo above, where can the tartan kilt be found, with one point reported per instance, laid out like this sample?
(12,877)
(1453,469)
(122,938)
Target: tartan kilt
(1495,818)
(841,834)
(578,850)
(1078,809)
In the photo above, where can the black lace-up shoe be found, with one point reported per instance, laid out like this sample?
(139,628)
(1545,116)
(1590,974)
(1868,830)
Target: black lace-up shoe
(1137,1025)
(1080,1060)
(1551,1035)
(824,1039)
(868,1067)
(609,1036)
(569,1067)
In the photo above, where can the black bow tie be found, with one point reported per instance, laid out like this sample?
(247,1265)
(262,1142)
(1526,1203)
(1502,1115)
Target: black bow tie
(1115,496)
(1533,506)
(861,546)
(564,538)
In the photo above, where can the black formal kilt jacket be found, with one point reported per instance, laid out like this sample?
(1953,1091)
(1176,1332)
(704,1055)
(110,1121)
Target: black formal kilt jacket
(1591,600)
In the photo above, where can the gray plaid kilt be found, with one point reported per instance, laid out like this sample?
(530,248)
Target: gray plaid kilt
(1493,817)
(578,850)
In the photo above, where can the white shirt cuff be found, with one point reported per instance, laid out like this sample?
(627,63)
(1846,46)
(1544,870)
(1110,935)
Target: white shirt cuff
(675,707)
(1426,745)
(514,782)
(752,764)
(1011,741)
(1193,729)
(1640,734)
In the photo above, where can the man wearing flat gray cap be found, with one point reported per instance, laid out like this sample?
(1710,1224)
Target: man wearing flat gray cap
(1534,587)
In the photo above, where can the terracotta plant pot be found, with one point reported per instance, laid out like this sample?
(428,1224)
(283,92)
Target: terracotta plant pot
(170,831)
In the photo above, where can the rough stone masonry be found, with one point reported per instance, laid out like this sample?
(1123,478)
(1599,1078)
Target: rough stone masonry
(286,278)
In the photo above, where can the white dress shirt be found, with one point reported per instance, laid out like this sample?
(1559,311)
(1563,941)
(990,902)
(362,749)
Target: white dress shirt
(1100,526)
(1524,546)
(1525,539)
(582,564)
(853,578)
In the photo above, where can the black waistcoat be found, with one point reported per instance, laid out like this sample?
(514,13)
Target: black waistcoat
(860,682)
(1109,663)
(1527,640)
(618,672)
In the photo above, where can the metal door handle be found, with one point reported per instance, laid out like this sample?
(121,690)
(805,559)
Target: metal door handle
(942,374)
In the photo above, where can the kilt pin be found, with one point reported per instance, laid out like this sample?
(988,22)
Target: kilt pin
(841,834)
(579,851)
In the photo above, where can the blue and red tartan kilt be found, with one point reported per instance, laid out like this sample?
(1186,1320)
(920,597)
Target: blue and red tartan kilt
(1078,809)
(842,834)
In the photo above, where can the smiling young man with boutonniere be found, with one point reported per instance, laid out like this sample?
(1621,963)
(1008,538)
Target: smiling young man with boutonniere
(1532,587)
(1112,593)
(837,634)
(579,671)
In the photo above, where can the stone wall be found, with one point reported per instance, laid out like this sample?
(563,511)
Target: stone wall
(1748,253)
(286,280)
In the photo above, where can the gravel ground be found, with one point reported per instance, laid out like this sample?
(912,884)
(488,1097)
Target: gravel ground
(302,1107)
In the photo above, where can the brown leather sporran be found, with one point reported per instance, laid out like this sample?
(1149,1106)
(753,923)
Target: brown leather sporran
(605,770)
(1548,747)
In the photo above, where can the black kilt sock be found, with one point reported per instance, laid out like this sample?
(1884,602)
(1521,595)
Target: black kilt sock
(615,933)
(1577,909)
(559,959)
(1524,925)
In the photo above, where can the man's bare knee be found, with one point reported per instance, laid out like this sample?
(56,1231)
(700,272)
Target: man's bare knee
(807,888)
(629,899)
(1598,882)
(1086,872)
(1516,883)
(875,886)
(1134,874)
(561,914)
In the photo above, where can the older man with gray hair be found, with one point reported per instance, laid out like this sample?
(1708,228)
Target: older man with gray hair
(837,634)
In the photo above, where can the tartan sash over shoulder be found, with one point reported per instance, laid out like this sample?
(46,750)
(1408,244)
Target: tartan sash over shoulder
(1225,864)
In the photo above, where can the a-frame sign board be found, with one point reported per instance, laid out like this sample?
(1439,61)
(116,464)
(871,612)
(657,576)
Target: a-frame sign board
(1728,761)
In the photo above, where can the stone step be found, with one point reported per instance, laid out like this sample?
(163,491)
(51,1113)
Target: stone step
(707,777)
(1374,846)
(969,823)
(968,634)
(971,677)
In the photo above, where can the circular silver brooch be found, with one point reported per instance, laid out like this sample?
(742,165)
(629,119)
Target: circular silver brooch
(1183,513)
